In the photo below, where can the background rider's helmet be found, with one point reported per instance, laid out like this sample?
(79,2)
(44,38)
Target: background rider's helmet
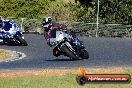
(47,20)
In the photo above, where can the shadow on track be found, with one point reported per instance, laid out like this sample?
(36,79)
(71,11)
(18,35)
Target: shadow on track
(63,60)
(5,44)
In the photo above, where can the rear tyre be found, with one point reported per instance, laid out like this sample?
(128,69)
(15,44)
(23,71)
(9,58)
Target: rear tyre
(68,52)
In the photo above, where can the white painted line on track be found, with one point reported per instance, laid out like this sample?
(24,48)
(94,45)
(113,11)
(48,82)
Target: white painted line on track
(14,56)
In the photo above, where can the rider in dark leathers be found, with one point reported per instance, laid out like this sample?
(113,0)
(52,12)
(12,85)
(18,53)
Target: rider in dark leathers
(49,26)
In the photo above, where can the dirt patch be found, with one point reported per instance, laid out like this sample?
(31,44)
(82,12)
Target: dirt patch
(4,54)
(61,72)
(44,72)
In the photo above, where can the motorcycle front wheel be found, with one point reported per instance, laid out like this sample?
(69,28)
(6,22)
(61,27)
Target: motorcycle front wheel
(69,52)
(21,41)
(84,54)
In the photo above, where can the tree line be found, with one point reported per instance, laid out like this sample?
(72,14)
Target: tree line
(110,11)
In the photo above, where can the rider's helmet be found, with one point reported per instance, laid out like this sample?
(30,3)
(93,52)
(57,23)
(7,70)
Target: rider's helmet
(47,22)
(7,24)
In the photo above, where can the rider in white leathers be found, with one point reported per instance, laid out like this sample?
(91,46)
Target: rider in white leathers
(9,26)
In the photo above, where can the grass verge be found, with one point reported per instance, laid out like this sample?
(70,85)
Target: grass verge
(49,78)
(4,54)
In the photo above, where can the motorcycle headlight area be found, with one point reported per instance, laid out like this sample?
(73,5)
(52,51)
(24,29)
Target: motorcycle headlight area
(76,42)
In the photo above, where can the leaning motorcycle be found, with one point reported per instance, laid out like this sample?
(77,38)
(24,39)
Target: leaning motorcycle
(64,45)
(14,37)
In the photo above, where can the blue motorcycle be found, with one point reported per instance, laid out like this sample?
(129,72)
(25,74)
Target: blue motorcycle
(66,45)
(11,35)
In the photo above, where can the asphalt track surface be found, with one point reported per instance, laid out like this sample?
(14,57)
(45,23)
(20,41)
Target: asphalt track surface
(104,52)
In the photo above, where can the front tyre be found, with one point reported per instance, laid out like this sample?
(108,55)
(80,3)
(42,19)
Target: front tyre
(22,41)
(69,52)
(84,54)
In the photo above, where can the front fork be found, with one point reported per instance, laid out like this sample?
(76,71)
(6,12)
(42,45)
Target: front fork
(57,49)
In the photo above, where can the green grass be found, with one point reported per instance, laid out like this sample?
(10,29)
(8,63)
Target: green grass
(66,81)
